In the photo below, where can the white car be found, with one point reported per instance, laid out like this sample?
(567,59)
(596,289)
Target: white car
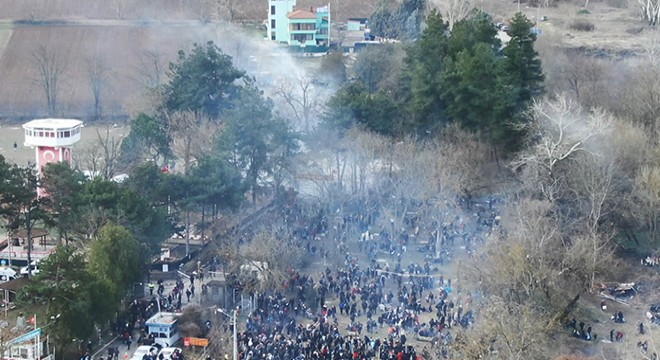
(33,268)
(144,350)
(168,351)
(7,274)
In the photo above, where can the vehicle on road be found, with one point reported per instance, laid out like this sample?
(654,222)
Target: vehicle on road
(7,274)
(33,269)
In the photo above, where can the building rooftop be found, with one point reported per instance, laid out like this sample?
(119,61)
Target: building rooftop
(162,318)
(52,124)
(301,14)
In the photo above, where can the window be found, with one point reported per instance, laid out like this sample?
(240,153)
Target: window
(302,37)
(41,134)
(272,37)
(298,27)
(67,134)
(272,23)
(272,9)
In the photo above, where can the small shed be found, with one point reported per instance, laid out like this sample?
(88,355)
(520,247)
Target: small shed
(9,289)
(39,236)
(216,291)
(356,24)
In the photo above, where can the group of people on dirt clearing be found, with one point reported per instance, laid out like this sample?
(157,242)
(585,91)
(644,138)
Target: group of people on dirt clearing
(366,308)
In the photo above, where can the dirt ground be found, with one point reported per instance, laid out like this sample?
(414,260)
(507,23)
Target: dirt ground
(634,311)
(618,27)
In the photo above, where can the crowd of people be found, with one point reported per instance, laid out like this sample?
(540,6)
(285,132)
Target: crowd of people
(366,308)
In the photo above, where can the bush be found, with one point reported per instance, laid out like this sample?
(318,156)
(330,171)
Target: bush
(582,25)
(583,12)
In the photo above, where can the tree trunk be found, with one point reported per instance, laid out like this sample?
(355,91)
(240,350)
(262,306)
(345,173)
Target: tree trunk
(28,230)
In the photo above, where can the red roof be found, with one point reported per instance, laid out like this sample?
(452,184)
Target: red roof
(301,14)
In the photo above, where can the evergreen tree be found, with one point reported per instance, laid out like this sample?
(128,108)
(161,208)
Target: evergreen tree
(426,58)
(64,188)
(252,136)
(202,81)
(354,105)
(475,96)
(382,21)
(522,65)
(472,31)
(409,18)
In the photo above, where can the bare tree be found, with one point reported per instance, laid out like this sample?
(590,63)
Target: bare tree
(267,258)
(455,11)
(101,156)
(505,330)
(650,11)
(227,10)
(151,68)
(98,73)
(560,132)
(640,97)
(192,136)
(645,201)
(50,67)
(584,77)
(301,97)
(590,252)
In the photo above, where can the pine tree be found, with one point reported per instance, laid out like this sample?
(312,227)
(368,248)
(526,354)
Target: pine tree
(522,64)
(426,58)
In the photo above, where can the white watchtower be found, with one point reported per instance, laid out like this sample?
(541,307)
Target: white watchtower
(52,140)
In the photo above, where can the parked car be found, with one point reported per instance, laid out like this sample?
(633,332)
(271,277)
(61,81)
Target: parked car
(33,269)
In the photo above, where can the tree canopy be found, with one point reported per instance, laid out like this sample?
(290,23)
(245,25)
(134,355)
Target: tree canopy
(253,136)
(462,76)
(403,23)
(202,81)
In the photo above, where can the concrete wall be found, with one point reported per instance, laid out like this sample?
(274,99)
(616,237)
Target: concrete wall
(280,31)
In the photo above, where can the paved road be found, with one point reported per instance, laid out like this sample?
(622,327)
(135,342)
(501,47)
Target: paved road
(124,351)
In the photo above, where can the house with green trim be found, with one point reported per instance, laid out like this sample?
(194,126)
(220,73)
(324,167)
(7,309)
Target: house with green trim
(302,30)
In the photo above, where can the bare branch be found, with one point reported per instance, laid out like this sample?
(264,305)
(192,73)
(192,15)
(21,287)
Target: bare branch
(50,66)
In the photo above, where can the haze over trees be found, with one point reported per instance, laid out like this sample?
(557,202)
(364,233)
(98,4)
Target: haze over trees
(451,111)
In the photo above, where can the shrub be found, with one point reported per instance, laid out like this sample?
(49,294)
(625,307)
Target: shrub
(583,12)
(582,25)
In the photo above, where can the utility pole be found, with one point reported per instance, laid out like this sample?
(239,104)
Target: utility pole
(235,339)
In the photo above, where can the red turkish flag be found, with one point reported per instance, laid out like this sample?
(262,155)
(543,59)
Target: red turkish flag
(33,319)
